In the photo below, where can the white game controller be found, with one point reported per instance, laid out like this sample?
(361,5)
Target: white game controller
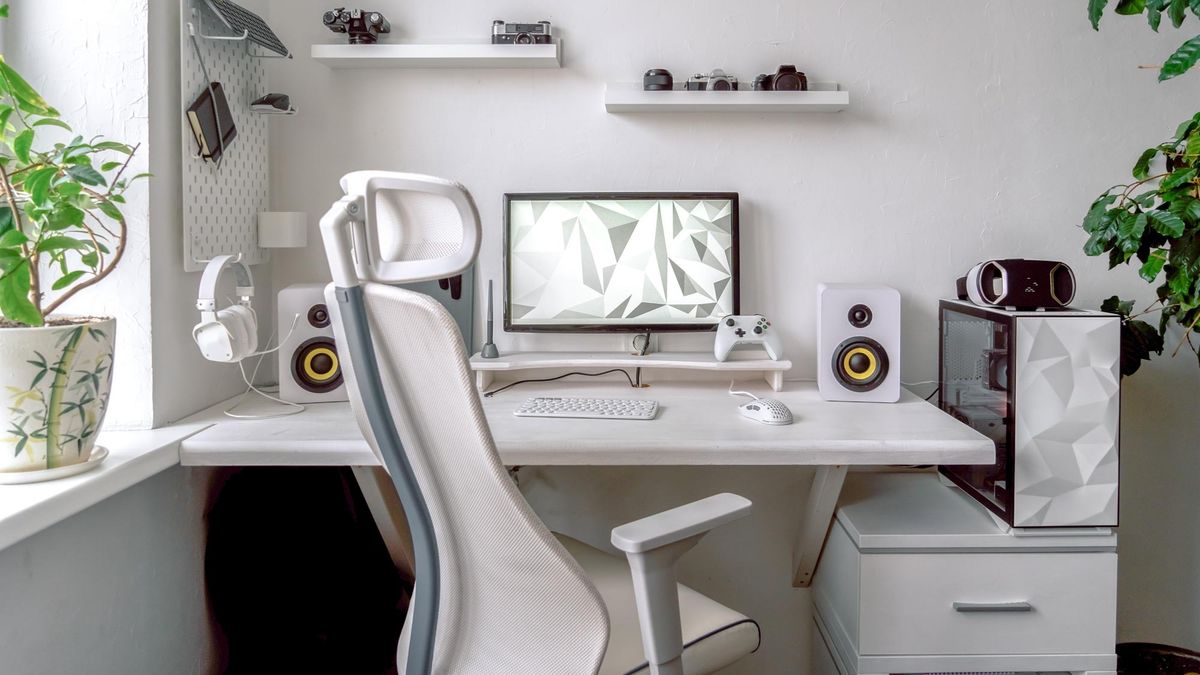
(749,329)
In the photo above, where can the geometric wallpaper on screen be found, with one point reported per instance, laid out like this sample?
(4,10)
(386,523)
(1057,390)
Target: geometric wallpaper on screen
(620,261)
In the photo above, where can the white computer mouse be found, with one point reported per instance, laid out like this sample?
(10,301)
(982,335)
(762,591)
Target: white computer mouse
(766,411)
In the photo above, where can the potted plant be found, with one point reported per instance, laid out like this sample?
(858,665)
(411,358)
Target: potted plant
(1155,219)
(61,231)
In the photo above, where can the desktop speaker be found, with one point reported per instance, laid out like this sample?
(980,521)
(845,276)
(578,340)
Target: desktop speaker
(309,368)
(858,343)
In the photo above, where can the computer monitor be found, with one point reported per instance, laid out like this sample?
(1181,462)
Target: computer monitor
(620,262)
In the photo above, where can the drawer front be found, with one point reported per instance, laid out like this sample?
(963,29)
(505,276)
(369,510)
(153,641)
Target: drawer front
(988,603)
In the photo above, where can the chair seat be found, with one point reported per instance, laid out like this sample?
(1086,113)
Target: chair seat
(714,636)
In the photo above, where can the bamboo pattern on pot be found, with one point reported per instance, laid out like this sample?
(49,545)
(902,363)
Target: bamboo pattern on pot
(69,417)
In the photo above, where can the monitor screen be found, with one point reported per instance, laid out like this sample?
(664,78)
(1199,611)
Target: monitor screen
(620,262)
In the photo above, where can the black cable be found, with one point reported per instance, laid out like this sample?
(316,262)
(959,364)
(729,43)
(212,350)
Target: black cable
(551,379)
(935,391)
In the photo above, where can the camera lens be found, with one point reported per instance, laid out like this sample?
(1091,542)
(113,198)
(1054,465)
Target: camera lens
(375,18)
(329,17)
(524,39)
(721,85)
(786,82)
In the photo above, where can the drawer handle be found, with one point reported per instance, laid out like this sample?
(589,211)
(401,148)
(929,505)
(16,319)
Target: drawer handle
(993,607)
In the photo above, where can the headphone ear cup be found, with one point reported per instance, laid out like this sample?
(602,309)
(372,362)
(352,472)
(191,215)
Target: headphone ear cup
(216,342)
(243,326)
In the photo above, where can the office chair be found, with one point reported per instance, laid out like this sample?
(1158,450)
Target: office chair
(496,592)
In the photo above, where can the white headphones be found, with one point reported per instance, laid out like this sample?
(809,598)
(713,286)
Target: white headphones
(230,334)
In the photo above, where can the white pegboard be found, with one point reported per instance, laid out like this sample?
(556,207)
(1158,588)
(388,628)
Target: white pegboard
(221,206)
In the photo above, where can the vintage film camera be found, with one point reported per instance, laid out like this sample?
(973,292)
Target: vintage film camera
(520,33)
(717,80)
(786,78)
(360,26)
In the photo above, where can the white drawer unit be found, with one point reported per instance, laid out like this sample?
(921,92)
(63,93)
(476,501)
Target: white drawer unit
(918,578)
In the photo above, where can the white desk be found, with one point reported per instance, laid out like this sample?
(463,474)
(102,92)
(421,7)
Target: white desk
(697,424)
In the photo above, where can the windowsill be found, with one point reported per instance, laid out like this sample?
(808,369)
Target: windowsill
(134,456)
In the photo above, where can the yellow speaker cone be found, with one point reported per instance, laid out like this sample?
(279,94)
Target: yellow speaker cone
(325,369)
(857,371)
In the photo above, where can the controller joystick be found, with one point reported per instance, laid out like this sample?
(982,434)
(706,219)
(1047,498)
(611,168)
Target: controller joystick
(753,329)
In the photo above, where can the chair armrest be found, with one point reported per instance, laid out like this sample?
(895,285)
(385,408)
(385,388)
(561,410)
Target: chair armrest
(652,545)
(679,523)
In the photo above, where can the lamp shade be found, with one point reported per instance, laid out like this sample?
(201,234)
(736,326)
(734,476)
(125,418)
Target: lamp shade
(283,229)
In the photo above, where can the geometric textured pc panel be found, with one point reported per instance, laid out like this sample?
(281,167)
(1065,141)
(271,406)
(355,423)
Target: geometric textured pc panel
(628,261)
(1067,411)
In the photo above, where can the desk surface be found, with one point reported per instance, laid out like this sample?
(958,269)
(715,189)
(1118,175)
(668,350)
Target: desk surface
(697,424)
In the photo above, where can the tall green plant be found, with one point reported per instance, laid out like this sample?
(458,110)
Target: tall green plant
(61,225)
(1155,219)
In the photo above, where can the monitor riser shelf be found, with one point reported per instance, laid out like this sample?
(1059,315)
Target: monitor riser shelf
(486,369)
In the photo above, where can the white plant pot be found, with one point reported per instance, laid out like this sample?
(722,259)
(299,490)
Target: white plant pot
(54,386)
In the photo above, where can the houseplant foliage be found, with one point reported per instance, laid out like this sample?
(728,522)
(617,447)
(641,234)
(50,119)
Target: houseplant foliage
(61,231)
(1153,222)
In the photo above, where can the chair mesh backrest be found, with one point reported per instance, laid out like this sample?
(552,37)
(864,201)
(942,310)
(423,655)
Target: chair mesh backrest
(512,599)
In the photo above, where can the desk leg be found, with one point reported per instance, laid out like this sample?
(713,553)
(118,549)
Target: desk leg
(814,525)
(388,513)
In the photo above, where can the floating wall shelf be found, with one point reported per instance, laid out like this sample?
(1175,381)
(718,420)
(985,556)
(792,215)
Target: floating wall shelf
(624,97)
(442,55)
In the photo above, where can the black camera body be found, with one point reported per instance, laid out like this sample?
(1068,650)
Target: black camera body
(360,26)
(717,80)
(786,78)
(504,33)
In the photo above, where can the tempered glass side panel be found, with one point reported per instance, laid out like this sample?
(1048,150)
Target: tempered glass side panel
(975,385)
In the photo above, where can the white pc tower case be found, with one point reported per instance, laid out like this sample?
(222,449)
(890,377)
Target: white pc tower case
(1045,387)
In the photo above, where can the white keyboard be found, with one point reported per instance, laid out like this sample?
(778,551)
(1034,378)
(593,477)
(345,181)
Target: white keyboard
(589,408)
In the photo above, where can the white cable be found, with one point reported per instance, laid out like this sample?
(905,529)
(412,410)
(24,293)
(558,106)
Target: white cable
(914,384)
(741,393)
(294,408)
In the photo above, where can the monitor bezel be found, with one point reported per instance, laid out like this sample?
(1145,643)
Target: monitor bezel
(510,327)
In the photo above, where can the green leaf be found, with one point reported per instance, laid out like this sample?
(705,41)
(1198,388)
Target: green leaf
(109,210)
(67,280)
(22,144)
(1131,7)
(13,238)
(1195,7)
(1094,220)
(1181,61)
(90,259)
(113,145)
(87,175)
(6,219)
(62,243)
(1096,244)
(1178,177)
(1138,340)
(1153,265)
(1095,11)
(109,166)
(63,217)
(51,122)
(4,11)
(1154,17)
(1166,223)
(69,189)
(1193,211)
(1141,170)
(25,95)
(1192,149)
(1177,10)
(1131,229)
(1186,127)
(14,296)
(37,184)
(1115,305)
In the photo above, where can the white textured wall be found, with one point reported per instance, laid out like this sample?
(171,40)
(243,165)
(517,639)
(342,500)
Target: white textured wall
(976,130)
(90,63)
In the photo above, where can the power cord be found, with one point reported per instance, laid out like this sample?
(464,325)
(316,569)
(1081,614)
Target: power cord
(552,379)
(293,408)
(741,393)
(641,352)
